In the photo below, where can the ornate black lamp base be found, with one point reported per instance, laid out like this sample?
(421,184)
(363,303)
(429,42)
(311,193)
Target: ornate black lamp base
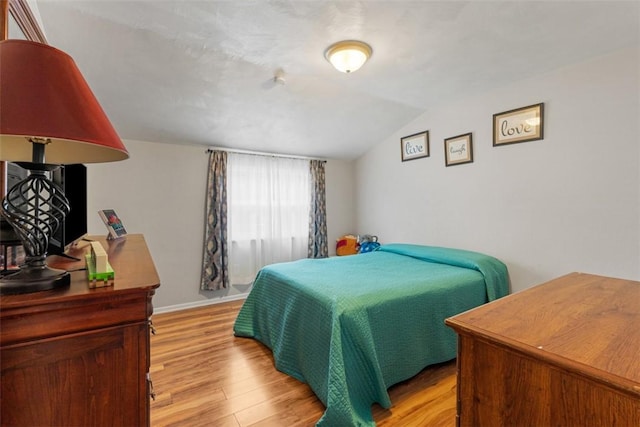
(29,280)
(35,207)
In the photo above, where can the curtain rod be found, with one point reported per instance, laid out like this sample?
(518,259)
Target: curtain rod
(260,153)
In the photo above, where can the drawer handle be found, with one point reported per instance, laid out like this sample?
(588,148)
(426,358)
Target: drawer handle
(152,393)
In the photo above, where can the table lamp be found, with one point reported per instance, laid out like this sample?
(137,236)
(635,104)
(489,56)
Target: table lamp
(48,117)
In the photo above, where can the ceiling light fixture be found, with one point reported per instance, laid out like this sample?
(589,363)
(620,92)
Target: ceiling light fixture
(349,55)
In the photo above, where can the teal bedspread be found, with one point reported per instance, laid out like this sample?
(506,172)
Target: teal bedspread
(353,326)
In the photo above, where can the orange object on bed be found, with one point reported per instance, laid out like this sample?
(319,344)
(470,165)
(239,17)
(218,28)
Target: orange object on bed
(347,245)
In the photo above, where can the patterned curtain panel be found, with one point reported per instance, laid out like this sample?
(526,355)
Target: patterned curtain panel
(215,270)
(318,212)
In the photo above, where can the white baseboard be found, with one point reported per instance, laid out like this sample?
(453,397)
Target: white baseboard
(195,304)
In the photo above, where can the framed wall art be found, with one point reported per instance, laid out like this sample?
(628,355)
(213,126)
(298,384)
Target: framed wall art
(458,150)
(519,125)
(415,146)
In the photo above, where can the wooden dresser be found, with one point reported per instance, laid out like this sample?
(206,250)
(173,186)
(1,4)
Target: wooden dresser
(565,353)
(80,356)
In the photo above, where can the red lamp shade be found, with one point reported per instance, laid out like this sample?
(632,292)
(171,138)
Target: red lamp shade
(43,95)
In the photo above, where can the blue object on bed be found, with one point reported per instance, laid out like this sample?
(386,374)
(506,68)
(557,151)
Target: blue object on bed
(353,326)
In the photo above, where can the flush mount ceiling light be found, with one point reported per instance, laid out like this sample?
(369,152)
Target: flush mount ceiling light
(348,55)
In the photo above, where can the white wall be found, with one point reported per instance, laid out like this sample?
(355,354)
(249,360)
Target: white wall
(340,194)
(159,192)
(570,202)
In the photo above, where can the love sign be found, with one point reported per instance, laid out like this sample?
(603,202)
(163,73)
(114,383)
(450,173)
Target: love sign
(519,125)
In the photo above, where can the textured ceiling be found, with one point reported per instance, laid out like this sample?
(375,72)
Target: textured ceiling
(201,72)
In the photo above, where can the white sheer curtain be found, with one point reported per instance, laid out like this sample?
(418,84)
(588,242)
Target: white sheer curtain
(268,218)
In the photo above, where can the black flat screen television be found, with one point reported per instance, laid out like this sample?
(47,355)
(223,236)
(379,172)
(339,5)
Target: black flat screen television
(73,181)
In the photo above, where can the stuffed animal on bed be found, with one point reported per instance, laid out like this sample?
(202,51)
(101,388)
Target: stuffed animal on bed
(367,243)
(347,245)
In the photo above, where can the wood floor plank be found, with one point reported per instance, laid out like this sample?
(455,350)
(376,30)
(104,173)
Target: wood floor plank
(205,376)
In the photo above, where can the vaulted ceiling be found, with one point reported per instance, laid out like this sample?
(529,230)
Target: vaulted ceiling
(201,72)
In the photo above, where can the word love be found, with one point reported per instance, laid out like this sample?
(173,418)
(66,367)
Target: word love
(518,129)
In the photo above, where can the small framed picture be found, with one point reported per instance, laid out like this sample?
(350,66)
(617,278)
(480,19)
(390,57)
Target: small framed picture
(519,125)
(415,146)
(458,150)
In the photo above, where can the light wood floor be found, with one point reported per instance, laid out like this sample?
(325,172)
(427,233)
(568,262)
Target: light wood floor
(204,376)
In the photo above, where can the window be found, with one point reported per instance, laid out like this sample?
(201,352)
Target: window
(268,222)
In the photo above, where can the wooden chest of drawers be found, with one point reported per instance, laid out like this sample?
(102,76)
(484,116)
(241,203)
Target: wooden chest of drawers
(80,356)
(565,353)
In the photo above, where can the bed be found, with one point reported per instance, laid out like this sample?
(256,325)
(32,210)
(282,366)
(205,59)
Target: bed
(353,326)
